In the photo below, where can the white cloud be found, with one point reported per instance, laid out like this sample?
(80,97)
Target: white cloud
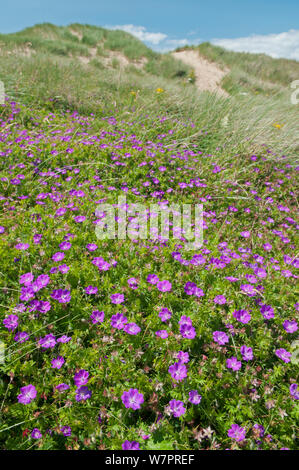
(275,45)
(158,41)
(141,33)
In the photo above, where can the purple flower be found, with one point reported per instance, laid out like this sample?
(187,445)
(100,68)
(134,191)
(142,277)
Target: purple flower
(62,387)
(64,339)
(79,218)
(220,299)
(118,321)
(194,397)
(162,334)
(57,362)
(233,363)
(242,316)
(183,357)
(178,371)
(283,354)
(117,298)
(294,391)
(267,311)
(130,445)
(91,246)
(26,279)
(36,434)
(187,331)
(21,337)
(177,408)
(164,286)
(66,431)
(11,322)
(152,279)
(62,295)
(133,283)
(165,314)
(91,290)
(97,317)
(290,326)
(248,289)
(22,246)
(132,328)
(236,432)
(65,246)
(81,377)
(220,337)
(28,393)
(58,256)
(246,352)
(82,394)
(47,341)
(132,399)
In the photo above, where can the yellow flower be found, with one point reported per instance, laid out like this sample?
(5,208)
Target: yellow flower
(133,93)
(278,126)
(159,90)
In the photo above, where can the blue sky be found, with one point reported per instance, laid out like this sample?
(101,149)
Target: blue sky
(270,26)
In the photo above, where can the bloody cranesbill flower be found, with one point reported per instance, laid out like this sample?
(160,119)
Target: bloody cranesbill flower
(117,298)
(66,431)
(242,316)
(194,397)
(91,290)
(64,339)
(11,322)
(182,356)
(26,279)
(133,283)
(118,321)
(62,295)
(246,352)
(248,289)
(47,341)
(220,337)
(164,286)
(165,314)
(97,317)
(81,377)
(236,432)
(36,434)
(82,393)
(294,392)
(162,334)
(178,371)
(267,311)
(130,445)
(219,299)
(57,362)
(62,387)
(233,363)
(152,278)
(187,331)
(58,256)
(28,393)
(132,399)
(290,326)
(177,408)
(283,354)
(21,337)
(132,328)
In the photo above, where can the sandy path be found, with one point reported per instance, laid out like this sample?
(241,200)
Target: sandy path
(208,75)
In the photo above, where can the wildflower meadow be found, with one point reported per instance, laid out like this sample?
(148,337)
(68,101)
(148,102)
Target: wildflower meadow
(139,342)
